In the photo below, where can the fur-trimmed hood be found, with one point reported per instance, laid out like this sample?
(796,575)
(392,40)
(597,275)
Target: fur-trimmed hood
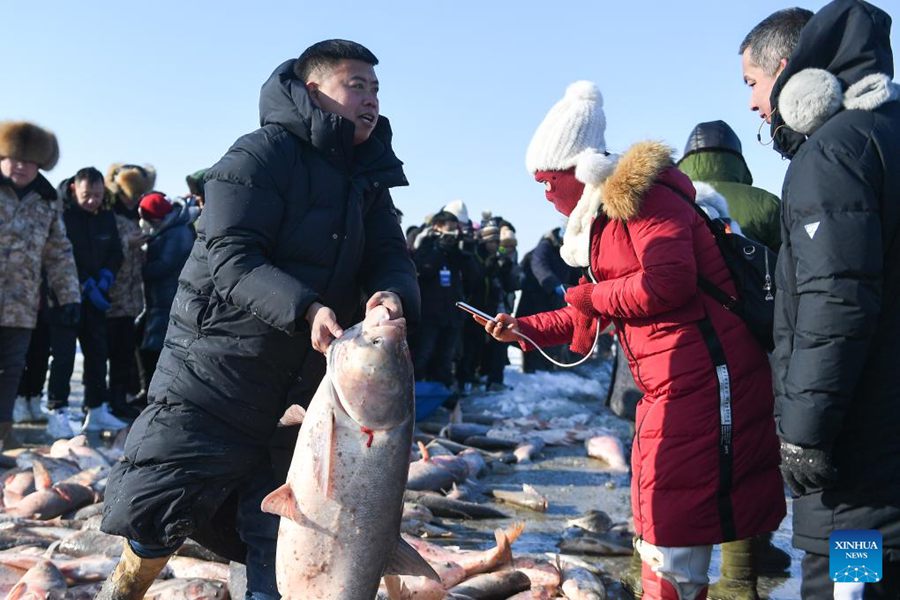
(619,194)
(843,61)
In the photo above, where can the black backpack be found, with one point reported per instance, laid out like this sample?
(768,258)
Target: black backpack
(752,268)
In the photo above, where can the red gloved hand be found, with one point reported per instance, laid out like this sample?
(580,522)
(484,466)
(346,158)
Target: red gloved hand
(579,296)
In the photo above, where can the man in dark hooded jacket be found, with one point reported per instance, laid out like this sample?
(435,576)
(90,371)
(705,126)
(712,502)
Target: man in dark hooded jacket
(298,229)
(713,155)
(837,313)
(546,277)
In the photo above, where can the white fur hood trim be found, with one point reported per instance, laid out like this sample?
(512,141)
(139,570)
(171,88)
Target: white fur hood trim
(714,204)
(812,96)
(592,169)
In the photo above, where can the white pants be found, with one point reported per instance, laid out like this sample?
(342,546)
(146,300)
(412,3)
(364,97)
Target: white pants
(849,591)
(684,568)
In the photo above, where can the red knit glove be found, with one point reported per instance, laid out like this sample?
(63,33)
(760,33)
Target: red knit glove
(579,296)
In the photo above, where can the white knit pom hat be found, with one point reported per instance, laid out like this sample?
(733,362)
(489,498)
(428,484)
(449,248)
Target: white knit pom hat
(571,133)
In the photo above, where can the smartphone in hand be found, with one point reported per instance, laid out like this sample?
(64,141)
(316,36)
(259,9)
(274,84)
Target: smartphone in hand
(479,314)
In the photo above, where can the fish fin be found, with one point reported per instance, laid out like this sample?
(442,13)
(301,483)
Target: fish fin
(530,489)
(294,415)
(282,502)
(42,478)
(48,553)
(324,459)
(426,455)
(18,591)
(505,538)
(394,587)
(456,415)
(406,561)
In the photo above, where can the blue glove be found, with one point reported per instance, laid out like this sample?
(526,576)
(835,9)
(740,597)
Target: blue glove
(91,292)
(560,291)
(106,280)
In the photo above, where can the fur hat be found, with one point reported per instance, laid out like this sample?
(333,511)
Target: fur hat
(572,135)
(130,180)
(458,208)
(28,142)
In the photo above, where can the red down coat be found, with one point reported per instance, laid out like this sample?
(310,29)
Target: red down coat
(647,285)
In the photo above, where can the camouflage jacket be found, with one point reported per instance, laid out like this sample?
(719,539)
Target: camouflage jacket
(32,235)
(127,293)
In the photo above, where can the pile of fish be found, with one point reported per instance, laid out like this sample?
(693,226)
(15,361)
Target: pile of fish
(457,523)
(50,544)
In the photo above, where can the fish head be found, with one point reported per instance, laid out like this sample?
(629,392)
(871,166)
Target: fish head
(371,371)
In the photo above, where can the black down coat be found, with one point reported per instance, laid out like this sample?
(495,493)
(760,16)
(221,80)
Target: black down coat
(94,237)
(837,313)
(294,214)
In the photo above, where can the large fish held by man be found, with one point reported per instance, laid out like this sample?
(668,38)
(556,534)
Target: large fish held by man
(343,499)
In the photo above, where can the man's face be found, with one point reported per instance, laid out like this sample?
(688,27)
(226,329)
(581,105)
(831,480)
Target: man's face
(88,195)
(760,84)
(20,172)
(351,91)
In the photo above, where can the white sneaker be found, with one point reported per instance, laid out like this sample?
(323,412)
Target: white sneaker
(100,419)
(38,414)
(58,426)
(21,410)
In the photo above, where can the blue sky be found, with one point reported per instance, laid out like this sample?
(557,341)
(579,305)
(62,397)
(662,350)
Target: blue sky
(464,83)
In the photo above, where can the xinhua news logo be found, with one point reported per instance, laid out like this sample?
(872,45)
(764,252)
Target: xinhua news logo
(855,556)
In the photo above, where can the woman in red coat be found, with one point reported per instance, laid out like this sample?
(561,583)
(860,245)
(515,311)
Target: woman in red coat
(705,455)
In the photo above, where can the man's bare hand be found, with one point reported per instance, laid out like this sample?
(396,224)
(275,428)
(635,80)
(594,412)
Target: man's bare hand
(389,300)
(323,326)
(502,328)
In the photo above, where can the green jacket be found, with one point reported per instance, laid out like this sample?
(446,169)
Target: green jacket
(757,211)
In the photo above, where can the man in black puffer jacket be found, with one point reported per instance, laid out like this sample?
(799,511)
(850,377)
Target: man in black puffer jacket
(837,311)
(298,229)
(91,227)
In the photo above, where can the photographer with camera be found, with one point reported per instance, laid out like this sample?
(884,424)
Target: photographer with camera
(446,274)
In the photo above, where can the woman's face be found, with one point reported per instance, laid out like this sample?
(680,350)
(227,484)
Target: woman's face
(561,189)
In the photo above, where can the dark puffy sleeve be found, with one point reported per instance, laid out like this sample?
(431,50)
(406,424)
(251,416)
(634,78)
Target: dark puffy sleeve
(386,263)
(242,216)
(835,242)
(542,266)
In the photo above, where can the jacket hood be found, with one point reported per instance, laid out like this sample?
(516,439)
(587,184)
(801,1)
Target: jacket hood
(847,44)
(182,213)
(715,165)
(624,190)
(284,101)
(713,135)
(554,236)
(619,195)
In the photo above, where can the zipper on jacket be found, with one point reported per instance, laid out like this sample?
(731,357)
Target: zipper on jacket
(768,285)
